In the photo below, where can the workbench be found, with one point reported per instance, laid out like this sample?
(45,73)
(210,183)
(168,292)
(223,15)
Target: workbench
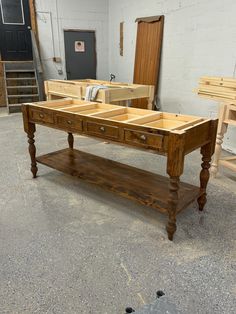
(169,134)
(115,92)
(227,116)
(223,90)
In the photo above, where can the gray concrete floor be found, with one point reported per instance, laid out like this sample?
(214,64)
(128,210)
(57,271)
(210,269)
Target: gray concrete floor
(70,247)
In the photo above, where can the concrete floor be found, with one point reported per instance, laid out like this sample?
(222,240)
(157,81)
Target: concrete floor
(70,247)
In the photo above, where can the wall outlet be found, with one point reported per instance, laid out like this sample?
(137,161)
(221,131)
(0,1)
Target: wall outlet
(60,72)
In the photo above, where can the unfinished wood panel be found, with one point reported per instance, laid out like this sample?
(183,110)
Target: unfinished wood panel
(217,88)
(148,54)
(114,91)
(226,117)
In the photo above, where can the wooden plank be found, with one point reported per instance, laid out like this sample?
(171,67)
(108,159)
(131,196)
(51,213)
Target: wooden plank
(232,158)
(133,183)
(3,101)
(148,56)
(217,88)
(228,164)
(114,93)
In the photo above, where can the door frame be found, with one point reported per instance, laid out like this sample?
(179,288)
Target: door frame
(33,19)
(81,30)
(34,27)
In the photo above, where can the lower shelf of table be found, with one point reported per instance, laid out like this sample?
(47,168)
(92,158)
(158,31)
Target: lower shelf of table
(142,186)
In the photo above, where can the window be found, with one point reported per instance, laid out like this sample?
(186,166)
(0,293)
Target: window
(12,12)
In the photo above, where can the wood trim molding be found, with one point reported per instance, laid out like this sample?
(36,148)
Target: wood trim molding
(33,18)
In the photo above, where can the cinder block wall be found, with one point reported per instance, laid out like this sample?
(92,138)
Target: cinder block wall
(53,16)
(199,39)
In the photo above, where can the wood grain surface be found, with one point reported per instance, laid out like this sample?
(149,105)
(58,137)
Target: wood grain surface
(130,182)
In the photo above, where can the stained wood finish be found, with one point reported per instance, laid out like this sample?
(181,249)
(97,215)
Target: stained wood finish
(173,201)
(71,140)
(147,56)
(130,182)
(164,133)
(32,150)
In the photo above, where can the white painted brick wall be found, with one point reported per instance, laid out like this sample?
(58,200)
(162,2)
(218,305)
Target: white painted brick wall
(72,14)
(199,39)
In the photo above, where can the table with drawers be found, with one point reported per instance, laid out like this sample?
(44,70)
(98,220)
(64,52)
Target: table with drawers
(169,134)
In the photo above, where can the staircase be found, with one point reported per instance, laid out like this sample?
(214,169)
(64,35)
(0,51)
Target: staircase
(21,84)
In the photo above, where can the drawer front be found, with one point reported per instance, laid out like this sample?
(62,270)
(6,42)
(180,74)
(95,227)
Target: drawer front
(38,115)
(69,123)
(103,130)
(143,139)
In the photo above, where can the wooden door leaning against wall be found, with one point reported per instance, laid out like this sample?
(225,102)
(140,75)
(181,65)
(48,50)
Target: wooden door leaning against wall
(148,54)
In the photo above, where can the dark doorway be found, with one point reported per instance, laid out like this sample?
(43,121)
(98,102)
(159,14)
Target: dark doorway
(15,25)
(80,53)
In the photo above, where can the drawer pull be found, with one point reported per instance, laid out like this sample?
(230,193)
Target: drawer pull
(143,137)
(41,115)
(69,122)
(102,129)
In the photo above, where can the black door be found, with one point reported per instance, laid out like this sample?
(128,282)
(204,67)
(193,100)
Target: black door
(15,39)
(80,52)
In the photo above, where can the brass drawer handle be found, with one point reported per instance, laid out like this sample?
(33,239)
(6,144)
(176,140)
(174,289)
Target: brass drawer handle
(102,129)
(41,115)
(69,122)
(143,137)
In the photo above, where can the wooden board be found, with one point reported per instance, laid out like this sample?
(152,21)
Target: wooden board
(3,101)
(130,182)
(217,88)
(148,55)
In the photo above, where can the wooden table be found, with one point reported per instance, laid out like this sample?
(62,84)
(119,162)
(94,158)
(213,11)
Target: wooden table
(170,134)
(116,92)
(223,90)
(227,116)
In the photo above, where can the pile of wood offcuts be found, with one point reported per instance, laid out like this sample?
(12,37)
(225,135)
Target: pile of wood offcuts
(217,88)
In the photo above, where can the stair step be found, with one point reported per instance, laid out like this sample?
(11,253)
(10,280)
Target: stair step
(19,65)
(23,96)
(17,71)
(22,87)
(14,108)
(20,78)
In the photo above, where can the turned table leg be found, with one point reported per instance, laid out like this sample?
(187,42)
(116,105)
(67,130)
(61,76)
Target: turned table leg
(172,202)
(222,128)
(175,166)
(204,174)
(70,140)
(32,150)
(218,149)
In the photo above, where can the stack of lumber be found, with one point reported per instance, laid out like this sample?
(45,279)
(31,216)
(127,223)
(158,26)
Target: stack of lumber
(217,88)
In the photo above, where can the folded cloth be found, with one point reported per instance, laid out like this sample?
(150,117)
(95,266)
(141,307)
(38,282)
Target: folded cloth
(88,93)
(92,91)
